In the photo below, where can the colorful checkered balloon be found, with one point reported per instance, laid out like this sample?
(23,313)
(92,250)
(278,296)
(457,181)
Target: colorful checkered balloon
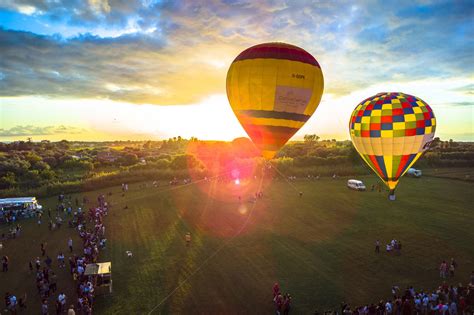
(391,131)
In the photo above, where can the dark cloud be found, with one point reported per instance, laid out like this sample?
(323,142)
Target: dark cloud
(39,131)
(357,45)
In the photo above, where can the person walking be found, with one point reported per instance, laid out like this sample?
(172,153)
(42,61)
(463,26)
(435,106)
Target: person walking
(443,269)
(377,246)
(71,311)
(44,307)
(188,238)
(69,244)
(5,261)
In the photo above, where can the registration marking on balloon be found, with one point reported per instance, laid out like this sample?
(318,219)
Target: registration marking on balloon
(391,131)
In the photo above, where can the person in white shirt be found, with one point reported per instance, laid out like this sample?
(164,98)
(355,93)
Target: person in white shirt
(388,307)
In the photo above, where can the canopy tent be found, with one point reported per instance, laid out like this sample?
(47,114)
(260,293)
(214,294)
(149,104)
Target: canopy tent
(101,273)
(98,269)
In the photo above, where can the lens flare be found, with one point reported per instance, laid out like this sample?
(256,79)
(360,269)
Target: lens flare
(243,209)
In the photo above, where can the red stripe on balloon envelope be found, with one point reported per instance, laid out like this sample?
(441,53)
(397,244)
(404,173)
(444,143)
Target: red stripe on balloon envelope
(269,137)
(275,51)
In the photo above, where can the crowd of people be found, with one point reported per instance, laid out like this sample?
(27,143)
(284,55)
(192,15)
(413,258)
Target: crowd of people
(393,246)
(445,300)
(281,301)
(91,229)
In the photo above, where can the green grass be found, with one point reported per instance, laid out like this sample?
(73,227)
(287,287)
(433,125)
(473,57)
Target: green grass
(319,247)
(463,173)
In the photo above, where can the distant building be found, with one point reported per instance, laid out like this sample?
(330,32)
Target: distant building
(106,156)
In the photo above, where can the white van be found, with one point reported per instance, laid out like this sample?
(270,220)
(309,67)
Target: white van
(414,172)
(355,184)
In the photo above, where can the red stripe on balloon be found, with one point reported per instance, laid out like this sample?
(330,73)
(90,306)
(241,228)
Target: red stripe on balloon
(278,51)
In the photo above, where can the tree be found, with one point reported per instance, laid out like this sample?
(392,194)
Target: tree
(311,138)
(8,180)
(129,159)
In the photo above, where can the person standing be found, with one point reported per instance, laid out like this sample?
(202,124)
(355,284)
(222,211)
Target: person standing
(443,269)
(5,263)
(61,302)
(287,304)
(71,311)
(69,244)
(188,238)
(43,249)
(377,246)
(44,307)
(276,290)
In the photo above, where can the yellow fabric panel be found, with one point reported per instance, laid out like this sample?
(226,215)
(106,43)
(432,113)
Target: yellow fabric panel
(392,184)
(252,83)
(390,146)
(365,119)
(267,154)
(318,89)
(377,112)
(388,160)
(398,126)
(418,143)
(417,110)
(377,146)
(410,117)
(387,146)
(243,88)
(386,106)
(272,122)
(387,133)
(398,144)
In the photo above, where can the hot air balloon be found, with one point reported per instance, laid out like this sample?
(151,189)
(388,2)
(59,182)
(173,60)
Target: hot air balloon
(391,131)
(273,89)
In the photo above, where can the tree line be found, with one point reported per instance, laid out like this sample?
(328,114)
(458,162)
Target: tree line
(27,165)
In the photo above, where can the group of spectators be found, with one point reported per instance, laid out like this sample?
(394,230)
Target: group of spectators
(281,301)
(91,229)
(445,269)
(393,246)
(445,300)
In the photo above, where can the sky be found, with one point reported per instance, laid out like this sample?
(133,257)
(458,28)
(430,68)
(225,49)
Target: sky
(151,69)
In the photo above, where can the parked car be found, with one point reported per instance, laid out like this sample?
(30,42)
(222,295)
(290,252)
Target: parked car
(414,172)
(356,184)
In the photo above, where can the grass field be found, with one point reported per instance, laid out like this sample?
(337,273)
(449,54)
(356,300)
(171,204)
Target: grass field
(318,247)
(462,173)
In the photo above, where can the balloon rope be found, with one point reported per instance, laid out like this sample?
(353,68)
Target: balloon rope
(218,250)
(284,177)
(180,186)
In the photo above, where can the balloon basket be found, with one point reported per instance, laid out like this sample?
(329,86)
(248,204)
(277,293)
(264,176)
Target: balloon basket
(391,195)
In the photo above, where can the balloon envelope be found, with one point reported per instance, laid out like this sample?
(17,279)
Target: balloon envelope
(273,89)
(391,131)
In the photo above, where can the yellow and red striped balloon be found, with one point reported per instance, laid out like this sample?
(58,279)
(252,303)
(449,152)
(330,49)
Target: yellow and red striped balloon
(273,89)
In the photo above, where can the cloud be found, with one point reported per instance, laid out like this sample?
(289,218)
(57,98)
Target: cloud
(177,52)
(30,130)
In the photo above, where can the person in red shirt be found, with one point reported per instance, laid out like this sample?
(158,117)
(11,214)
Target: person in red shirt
(276,289)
